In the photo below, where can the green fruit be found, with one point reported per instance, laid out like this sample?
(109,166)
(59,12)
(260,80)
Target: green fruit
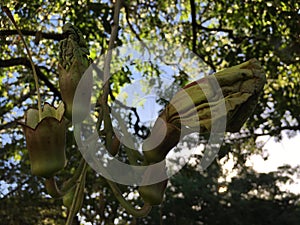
(45,140)
(154,193)
(164,136)
(68,83)
(68,198)
(115,146)
(228,96)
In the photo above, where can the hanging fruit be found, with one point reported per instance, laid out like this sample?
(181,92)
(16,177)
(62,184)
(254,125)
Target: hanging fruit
(153,194)
(45,140)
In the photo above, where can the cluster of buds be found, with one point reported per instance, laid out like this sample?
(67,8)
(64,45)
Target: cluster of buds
(73,62)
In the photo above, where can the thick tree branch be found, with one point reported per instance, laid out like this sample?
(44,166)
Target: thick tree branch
(273,132)
(194,38)
(194,24)
(41,35)
(25,62)
(11,124)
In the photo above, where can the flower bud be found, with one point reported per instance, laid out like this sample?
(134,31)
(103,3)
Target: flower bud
(238,87)
(73,62)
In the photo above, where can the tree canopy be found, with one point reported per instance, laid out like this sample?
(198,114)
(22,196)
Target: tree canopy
(221,33)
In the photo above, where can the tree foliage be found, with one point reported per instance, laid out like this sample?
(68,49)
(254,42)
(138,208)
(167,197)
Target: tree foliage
(222,33)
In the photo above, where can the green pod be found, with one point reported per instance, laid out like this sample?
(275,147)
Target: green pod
(45,140)
(69,197)
(164,136)
(153,194)
(68,82)
(115,146)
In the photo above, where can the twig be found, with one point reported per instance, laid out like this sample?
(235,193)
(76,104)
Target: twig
(55,192)
(194,23)
(133,30)
(104,113)
(129,208)
(51,36)
(26,62)
(75,198)
(113,37)
(10,16)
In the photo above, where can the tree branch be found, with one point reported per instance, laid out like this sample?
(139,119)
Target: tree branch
(273,132)
(25,62)
(194,24)
(52,36)
(236,39)
(194,38)
(218,29)
(17,102)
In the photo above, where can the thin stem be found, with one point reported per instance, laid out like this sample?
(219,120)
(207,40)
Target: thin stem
(129,208)
(80,181)
(113,37)
(71,182)
(10,16)
(54,191)
(132,154)
(105,114)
